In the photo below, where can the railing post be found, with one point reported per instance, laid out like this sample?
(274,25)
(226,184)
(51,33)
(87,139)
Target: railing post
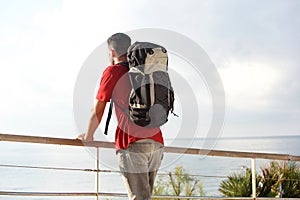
(253,169)
(97,173)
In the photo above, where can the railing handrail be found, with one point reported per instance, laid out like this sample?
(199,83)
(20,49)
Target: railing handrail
(168,149)
(51,194)
(102,144)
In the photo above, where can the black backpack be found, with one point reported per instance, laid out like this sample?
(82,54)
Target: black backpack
(152,96)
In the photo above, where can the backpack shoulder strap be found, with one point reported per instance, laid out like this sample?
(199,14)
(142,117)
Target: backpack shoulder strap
(125,64)
(108,116)
(111,105)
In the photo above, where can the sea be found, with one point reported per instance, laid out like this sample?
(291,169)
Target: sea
(209,170)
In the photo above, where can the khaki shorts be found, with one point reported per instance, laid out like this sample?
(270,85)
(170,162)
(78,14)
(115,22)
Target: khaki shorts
(139,164)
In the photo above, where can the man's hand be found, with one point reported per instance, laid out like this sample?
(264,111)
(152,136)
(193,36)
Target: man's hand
(83,137)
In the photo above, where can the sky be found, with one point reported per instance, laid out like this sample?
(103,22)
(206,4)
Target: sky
(254,45)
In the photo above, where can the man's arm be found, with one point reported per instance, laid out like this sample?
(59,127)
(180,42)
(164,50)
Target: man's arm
(94,122)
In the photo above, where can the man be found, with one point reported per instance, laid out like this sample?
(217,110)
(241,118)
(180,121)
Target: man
(139,149)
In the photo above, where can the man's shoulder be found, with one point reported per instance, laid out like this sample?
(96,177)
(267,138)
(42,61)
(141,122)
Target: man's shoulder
(109,68)
(115,71)
(112,69)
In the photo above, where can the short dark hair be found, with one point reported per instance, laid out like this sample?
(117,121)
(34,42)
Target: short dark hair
(119,42)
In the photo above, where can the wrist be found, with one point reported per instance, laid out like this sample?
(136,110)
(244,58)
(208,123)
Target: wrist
(88,137)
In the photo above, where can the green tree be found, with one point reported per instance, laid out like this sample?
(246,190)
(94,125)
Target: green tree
(268,181)
(178,183)
(289,180)
(238,184)
(278,179)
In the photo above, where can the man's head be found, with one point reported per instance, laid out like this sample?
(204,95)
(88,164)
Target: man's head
(118,43)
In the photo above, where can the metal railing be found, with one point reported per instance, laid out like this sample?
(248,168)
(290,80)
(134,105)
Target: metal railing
(99,144)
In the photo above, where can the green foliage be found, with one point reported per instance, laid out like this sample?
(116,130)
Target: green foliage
(289,178)
(237,184)
(178,183)
(279,179)
(268,183)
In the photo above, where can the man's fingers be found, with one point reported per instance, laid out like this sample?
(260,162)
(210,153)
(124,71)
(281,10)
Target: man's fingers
(80,137)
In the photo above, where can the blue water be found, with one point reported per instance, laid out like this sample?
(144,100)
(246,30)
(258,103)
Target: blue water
(212,170)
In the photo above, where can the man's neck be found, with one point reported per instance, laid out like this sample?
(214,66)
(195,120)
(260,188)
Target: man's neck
(120,59)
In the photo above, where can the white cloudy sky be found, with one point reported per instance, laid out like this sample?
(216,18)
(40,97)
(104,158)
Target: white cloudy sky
(254,45)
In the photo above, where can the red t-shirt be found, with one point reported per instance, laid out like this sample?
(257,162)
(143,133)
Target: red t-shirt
(115,84)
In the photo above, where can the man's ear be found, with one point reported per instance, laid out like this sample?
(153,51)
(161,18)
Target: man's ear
(113,53)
